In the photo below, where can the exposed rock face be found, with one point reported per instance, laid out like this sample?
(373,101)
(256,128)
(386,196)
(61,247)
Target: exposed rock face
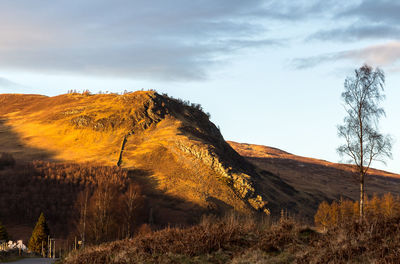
(241,183)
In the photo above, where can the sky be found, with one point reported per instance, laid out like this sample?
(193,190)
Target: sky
(268,72)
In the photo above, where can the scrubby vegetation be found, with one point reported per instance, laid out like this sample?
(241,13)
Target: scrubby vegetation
(346,211)
(235,239)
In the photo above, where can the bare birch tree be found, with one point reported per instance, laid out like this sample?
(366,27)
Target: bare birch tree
(132,200)
(362,96)
(82,206)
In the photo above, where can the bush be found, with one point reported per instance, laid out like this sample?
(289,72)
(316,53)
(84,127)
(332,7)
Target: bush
(354,242)
(346,211)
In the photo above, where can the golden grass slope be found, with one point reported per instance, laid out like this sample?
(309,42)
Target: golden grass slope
(182,152)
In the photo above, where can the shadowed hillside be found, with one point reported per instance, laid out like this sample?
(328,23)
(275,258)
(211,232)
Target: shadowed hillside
(318,177)
(179,153)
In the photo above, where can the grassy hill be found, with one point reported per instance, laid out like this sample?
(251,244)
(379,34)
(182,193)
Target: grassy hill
(167,146)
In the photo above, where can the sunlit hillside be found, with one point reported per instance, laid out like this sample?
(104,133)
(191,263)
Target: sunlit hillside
(171,145)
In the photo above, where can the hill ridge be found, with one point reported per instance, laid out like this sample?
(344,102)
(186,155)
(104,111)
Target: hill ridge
(248,150)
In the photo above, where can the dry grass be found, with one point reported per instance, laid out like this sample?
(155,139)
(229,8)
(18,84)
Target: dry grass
(238,240)
(206,240)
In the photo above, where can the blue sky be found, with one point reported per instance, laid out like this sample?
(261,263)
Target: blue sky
(269,72)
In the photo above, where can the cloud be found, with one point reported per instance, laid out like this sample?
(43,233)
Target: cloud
(357,32)
(387,54)
(377,11)
(175,40)
(367,19)
(381,55)
(313,61)
(167,40)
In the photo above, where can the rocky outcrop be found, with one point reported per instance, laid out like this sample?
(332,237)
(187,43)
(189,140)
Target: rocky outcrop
(241,183)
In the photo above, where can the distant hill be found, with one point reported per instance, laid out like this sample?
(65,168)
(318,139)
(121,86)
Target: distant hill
(317,177)
(169,146)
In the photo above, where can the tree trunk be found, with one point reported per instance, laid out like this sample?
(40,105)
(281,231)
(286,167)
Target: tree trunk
(361,196)
(84,219)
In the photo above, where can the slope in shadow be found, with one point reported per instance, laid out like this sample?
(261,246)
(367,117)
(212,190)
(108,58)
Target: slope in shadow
(329,182)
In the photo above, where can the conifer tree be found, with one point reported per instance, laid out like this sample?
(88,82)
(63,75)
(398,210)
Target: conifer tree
(39,235)
(3,233)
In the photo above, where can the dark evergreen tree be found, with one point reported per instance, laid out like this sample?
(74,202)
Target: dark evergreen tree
(39,235)
(3,233)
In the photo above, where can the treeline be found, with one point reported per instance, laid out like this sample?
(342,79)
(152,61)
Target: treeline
(347,211)
(97,202)
(108,212)
(187,103)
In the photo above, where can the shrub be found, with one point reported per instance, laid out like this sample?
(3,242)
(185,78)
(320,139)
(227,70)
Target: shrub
(346,211)
(322,217)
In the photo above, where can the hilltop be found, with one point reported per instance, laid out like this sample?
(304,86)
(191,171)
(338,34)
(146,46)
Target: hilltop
(168,146)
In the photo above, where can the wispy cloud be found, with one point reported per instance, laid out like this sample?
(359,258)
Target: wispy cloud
(357,32)
(366,19)
(378,11)
(387,54)
(381,55)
